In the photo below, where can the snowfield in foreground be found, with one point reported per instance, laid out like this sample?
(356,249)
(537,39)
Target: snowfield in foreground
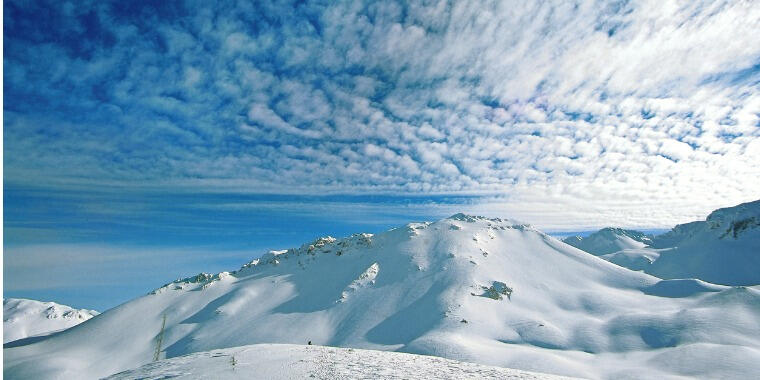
(285,361)
(24,318)
(489,291)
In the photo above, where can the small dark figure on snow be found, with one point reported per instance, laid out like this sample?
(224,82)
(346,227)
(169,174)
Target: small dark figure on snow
(309,343)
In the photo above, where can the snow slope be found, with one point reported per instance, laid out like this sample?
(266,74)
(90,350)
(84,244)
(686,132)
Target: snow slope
(609,240)
(24,318)
(284,361)
(635,258)
(489,291)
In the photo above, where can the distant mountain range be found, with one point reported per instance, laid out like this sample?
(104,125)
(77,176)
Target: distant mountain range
(723,249)
(24,318)
(490,291)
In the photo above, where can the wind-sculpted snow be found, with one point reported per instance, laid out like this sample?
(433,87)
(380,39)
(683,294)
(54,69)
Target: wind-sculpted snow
(635,258)
(31,319)
(433,289)
(682,288)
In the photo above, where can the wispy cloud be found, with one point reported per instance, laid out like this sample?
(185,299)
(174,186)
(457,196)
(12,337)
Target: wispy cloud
(576,109)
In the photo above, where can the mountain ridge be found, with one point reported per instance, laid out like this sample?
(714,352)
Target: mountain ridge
(491,291)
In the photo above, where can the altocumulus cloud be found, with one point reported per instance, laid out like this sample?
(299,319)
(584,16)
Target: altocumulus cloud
(561,113)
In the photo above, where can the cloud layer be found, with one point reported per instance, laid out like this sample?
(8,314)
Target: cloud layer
(586,112)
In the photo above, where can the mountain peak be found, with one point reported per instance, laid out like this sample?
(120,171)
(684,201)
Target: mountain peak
(466,217)
(610,239)
(462,217)
(733,221)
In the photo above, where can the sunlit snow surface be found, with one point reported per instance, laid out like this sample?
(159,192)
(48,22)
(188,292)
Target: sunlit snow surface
(488,291)
(280,361)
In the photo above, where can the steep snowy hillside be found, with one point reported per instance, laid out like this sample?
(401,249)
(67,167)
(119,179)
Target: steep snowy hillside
(489,291)
(285,361)
(28,318)
(609,240)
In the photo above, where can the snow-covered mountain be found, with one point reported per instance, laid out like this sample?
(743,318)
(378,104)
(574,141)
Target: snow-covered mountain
(489,291)
(609,240)
(24,318)
(724,248)
(740,222)
(268,361)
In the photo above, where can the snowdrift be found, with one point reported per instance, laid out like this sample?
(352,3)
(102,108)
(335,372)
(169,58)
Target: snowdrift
(488,291)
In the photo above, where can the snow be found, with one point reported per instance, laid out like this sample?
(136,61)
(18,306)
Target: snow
(23,318)
(635,258)
(283,361)
(425,288)
(682,288)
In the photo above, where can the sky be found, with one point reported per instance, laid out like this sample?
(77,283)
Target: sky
(148,140)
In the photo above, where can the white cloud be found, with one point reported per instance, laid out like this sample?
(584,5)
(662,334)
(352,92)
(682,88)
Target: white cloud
(577,104)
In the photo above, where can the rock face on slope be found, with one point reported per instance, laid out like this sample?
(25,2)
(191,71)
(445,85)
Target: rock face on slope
(609,240)
(24,318)
(491,291)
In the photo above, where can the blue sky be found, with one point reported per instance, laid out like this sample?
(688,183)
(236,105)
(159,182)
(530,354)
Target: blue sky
(201,133)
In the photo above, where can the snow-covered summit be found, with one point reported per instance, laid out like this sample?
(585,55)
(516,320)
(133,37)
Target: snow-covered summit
(489,221)
(24,318)
(725,223)
(489,291)
(609,240)
(736,218)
